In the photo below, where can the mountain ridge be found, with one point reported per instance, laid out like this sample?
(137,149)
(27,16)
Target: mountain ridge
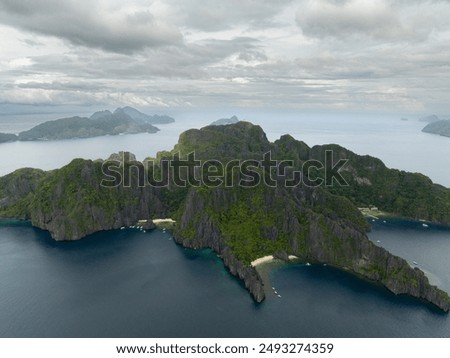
(317,224)
(125,120)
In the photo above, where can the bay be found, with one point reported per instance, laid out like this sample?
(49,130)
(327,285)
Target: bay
(127,283)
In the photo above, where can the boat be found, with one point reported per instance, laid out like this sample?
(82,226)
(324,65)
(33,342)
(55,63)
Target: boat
(378,241)
(279,296)
(424,225)
(415,263)
(308,264)
(122,228)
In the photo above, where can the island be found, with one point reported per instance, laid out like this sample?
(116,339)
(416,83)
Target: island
(318,224)
(125,120)
(225,121)
(430,119)
(441,127)
(7,137)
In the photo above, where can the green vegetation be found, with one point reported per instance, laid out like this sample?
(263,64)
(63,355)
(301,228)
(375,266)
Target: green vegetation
(79,127)
(371,183)
(125,120)
(321,224)
(250,227)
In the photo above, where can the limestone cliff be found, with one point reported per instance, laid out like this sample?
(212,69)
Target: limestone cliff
(317,224)
(208,222)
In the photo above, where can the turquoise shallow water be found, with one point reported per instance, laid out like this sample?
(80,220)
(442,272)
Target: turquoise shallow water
(132,284)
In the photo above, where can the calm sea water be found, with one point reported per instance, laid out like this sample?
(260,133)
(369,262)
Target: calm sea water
(133,284)
(400,144)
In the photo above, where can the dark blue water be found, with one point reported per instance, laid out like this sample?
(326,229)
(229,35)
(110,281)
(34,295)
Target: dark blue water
(134,284)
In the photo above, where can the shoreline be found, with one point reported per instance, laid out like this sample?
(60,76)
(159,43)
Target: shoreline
(262,260)
(270,258)
(161,221)
(264,266)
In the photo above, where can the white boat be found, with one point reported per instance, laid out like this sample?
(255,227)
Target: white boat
(122,228)
(378,241)
(415,263)
(308,264)
(424,225)
(275,292)
(279,296)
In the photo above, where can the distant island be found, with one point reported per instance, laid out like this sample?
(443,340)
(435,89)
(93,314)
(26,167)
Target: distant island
(314,224)
(7,137)
(430,119)
(225,121)
(441,127)
(125,120)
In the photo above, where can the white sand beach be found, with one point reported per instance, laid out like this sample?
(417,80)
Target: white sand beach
(262,260)
(159,221)
(269,258)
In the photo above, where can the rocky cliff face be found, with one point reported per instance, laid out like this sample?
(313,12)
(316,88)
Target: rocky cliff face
(241,224)
(16,192)
(74,204)
(311,236)
(208,235)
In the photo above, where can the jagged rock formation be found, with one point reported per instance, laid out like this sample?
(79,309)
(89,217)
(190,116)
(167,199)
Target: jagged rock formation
(317,224)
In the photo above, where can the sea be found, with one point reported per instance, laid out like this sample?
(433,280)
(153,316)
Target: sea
(127,283)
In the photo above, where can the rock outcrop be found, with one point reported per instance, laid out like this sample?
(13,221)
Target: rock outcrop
(310,236)
(240,223)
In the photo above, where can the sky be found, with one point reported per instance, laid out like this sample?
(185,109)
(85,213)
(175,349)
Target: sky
(323,55)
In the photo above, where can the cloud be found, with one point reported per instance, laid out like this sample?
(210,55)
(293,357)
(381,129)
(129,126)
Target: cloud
(90,24)
(349,18)
(216,15)
(336,54)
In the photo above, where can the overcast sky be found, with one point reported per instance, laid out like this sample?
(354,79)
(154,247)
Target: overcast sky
(349,55)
